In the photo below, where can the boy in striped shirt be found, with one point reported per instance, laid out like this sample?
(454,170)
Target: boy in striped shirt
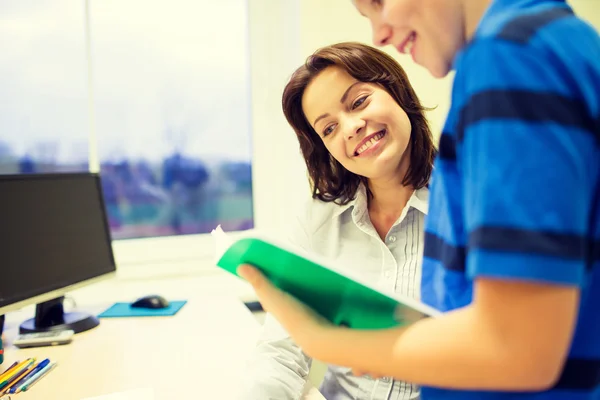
(512,249)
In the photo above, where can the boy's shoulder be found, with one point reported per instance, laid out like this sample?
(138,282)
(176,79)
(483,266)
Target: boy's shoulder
(536,45)
(534,25)
(519,22)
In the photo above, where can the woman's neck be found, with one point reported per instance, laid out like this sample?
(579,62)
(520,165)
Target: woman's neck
(388,200)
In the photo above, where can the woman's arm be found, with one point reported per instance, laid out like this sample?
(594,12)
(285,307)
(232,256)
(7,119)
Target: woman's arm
(277,369)
(514,336)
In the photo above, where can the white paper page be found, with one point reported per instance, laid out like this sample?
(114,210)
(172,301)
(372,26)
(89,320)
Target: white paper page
(222,242)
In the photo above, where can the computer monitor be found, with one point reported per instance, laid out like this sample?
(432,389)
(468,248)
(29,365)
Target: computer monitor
(54,238)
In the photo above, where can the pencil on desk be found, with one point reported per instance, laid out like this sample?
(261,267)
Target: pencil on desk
(37,377)
(17,379)
(8,370)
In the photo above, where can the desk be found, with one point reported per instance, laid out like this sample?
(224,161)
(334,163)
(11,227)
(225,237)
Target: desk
(199,353)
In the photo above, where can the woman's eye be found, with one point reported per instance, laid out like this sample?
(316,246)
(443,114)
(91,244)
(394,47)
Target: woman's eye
(359,102)
(328,130)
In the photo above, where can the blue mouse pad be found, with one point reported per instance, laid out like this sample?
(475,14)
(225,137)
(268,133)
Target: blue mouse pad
(125,310)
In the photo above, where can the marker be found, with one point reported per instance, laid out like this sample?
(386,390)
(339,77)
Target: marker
(32,371)
(37,377)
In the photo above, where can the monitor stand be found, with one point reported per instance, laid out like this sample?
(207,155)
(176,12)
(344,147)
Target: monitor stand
(51,316)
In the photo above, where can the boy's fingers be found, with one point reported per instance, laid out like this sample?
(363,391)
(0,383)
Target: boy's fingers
(266,292)
(250,274)
(286,309)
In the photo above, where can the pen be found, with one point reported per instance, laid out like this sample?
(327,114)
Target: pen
(37,377)
(32,371)
(9,378)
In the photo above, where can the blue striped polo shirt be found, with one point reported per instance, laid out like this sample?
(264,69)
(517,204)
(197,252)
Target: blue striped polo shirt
(516,188)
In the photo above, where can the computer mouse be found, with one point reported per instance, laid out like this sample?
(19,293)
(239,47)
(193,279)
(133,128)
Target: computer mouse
(152,301)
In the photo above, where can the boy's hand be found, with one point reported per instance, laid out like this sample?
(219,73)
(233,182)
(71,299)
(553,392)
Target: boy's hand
(305,326)
(317,337)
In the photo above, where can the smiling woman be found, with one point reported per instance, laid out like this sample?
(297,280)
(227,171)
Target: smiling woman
(347,91)
(369,153)
(358,130)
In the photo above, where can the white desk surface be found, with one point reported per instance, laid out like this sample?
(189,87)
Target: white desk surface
(200,353)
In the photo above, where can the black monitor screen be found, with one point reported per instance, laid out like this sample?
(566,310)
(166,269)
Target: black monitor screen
(53,234)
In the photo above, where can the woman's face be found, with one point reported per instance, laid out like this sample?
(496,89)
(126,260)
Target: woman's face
(360,123)
(431,31)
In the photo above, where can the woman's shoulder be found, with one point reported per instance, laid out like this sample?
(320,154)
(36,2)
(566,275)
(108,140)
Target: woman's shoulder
(316,213)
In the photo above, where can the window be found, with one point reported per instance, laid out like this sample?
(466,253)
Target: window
(173,114)
(169,94)
(43,87)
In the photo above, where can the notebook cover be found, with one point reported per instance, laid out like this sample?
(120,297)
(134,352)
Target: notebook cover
(336,294)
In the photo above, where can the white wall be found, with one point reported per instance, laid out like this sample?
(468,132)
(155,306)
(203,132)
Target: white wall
(279,174)
(589,10)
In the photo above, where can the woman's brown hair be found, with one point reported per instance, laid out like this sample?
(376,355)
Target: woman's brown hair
(330,181)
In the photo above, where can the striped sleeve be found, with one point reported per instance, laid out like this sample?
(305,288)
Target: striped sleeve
(526,144)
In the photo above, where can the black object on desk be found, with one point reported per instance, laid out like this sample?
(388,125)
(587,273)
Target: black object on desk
(152,301)
(55,238)
(254,306)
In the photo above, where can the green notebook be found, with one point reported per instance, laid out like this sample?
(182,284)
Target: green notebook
(338,295)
